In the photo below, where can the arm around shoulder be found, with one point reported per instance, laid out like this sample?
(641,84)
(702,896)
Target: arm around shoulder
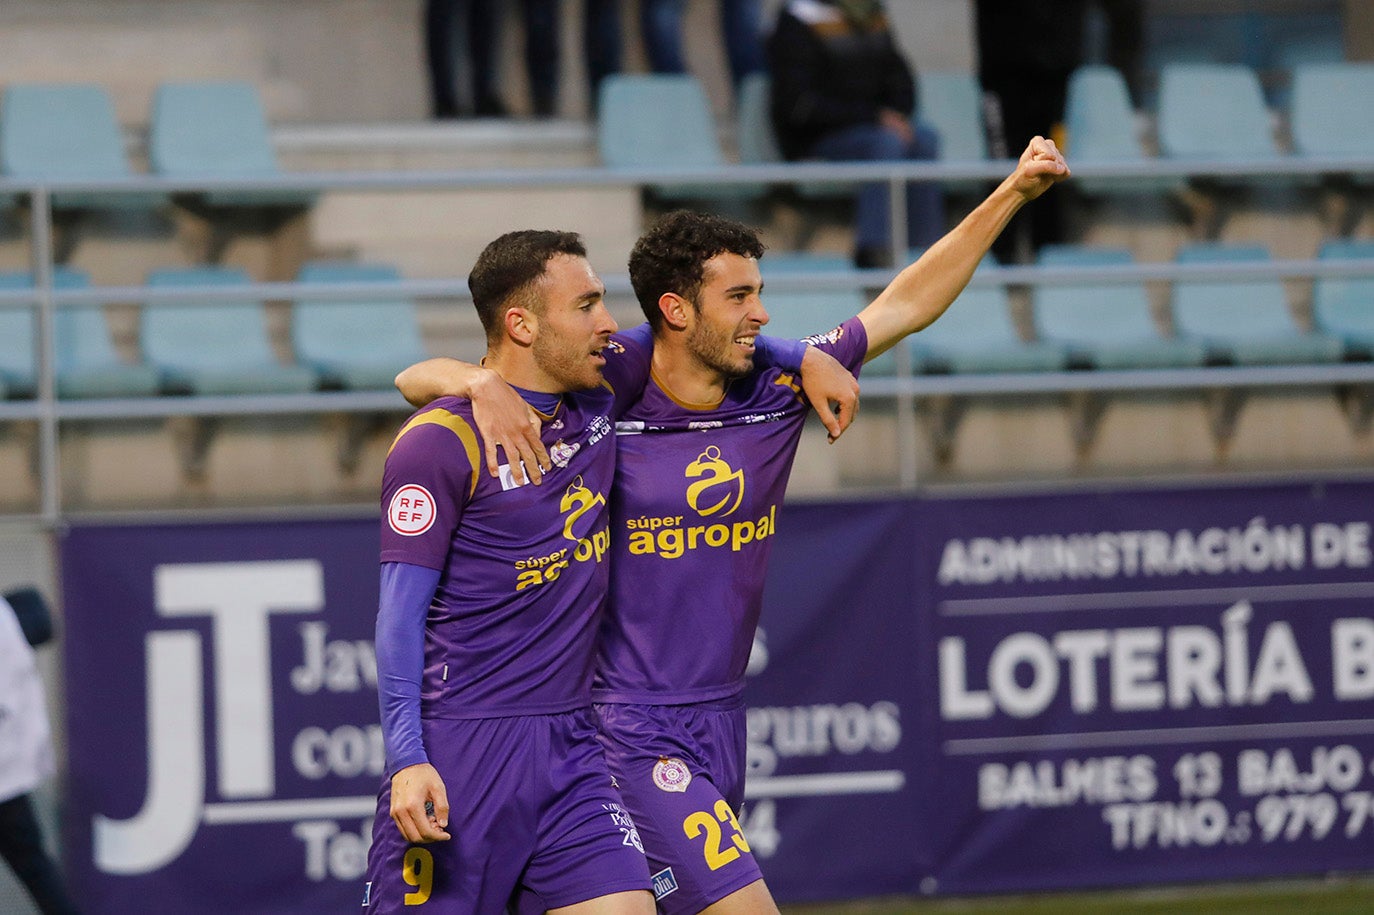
(503,418)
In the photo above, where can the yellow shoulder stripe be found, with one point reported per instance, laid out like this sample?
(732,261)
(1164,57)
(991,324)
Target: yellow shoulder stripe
(455,424)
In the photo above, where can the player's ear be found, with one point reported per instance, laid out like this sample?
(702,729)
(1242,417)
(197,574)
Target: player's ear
(521,325)
(674,308)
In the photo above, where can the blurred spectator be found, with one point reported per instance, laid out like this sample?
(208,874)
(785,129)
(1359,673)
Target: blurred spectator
(1124,40)
(26,754)
(1026,53)
(1359,29)
(480,22)
(740,23)
(842,91)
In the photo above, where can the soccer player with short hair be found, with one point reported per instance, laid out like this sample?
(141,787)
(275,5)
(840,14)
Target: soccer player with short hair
(490,600)
(703,460)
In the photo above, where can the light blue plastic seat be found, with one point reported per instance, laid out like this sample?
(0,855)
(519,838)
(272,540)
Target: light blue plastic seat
(1332,111)
(215,348)
(1104,325)
(1213,111)
(216,130)
(1246,322)
(66,131)
(1101,128)
(1344,306)
(976,334)
(952,102)
(356,344)
(753,123)
(663,120)
(87,365)
(798,313)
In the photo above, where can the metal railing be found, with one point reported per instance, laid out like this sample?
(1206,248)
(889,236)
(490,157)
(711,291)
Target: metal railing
(50,412)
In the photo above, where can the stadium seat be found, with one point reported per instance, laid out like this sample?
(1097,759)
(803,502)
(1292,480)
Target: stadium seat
(67,131)
(1344,306)
(663,121)
(1101,128)
(214,348)
(86,363)
(976,334)
(1104,325)
(753,123)
(355,344)
(1212,112)
(1246,322)
(62,131)
(1332,111)
(216,130)
(952,103)
(796,313)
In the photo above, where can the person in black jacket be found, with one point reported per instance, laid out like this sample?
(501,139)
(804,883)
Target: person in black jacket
(1026,53)
(843,91)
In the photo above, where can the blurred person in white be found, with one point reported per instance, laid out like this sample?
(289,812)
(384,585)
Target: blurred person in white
(26,752)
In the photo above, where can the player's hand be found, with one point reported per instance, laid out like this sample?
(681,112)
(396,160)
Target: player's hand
(825,382)
(1041,166)
(419,804)
(505,421)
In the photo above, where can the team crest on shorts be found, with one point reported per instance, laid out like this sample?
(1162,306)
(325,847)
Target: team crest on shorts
(671,774)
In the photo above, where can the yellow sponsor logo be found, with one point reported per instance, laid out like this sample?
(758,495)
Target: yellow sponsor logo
(666,537)
(719,484)
(578,501)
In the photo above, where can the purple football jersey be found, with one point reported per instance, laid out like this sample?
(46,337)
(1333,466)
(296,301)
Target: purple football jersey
(524,569)
(693,514)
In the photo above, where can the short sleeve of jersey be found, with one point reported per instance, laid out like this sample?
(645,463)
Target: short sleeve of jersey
(628,360)
(848,343)
(428,478)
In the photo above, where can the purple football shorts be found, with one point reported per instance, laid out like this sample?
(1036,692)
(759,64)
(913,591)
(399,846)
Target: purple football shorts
(680,770)
(533,816)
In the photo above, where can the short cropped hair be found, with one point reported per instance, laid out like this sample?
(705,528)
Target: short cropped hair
(507,269)
(672,256)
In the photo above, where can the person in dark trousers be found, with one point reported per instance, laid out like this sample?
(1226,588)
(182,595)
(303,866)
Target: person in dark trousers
(26,754)
(467,33)
(842,91)
(660,21)
(1026,52)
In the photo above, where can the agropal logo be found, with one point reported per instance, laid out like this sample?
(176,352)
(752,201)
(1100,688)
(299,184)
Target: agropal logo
(718,489)
(577,501)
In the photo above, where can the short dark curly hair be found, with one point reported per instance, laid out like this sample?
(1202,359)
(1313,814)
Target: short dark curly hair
(672,255)
(507,268)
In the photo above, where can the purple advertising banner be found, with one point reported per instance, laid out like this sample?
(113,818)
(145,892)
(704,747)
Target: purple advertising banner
(831,797)
(947,695)
(224,751)
(1147,686)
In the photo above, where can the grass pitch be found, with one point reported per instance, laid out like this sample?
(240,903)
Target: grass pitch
(1343,896)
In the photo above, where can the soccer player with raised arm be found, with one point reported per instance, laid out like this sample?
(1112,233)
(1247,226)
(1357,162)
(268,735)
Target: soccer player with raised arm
(491,596)
(703,459)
